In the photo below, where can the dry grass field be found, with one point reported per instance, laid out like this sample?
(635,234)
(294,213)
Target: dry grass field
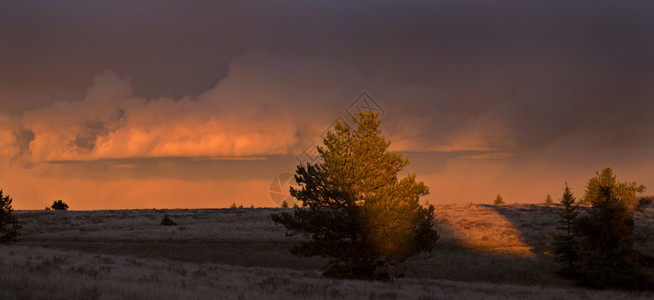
(485,252)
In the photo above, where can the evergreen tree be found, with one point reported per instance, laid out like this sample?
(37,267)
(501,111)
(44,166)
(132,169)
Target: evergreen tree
(498,200)
(233,206)
(548,199)
(357,212)
(9,227)
(284,204)
(59,205)
(565,247)
(610,260)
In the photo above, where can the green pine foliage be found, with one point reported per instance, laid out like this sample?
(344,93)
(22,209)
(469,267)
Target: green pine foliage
(9,227)
(565,246)
(607,231)
(498,200)
(356,211)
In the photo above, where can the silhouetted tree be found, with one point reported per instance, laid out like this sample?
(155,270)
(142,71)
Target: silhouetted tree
(59,205)
(498,200)
(565,246)
(166,221)
(609,257)
(357,212)
(548,199)
(233,206)
(284,204)
(9,227)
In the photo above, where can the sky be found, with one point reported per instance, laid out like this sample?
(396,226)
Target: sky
(189,104)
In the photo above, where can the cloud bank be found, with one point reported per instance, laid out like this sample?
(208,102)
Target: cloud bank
(482,94)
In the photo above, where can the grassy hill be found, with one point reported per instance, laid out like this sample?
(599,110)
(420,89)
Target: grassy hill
(484,252)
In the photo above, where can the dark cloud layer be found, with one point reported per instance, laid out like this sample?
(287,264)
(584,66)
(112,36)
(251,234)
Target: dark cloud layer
(461,81)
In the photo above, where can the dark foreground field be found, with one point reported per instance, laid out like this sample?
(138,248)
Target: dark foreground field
(484,252)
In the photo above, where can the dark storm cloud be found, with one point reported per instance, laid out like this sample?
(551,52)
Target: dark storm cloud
(484,96)
(501,76)
(24,136)
(92,130)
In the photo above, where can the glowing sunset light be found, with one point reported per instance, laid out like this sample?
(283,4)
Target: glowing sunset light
(212,108)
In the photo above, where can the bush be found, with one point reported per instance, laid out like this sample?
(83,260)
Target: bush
(166,221)
(9,227)
(59,205)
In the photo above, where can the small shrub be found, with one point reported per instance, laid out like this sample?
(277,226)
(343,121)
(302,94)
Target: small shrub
(166,221)
(59,205)
(233,206)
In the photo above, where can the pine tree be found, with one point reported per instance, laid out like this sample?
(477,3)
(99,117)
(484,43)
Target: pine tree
(498,200)
(284,204)
(565,247)
(59,205)
(357,212)
(9,227)
(610,260)
(548,199)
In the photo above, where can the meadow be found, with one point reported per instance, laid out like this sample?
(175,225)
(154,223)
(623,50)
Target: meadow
(485,252)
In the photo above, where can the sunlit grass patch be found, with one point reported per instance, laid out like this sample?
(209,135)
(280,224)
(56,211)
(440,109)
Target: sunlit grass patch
(481,228)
